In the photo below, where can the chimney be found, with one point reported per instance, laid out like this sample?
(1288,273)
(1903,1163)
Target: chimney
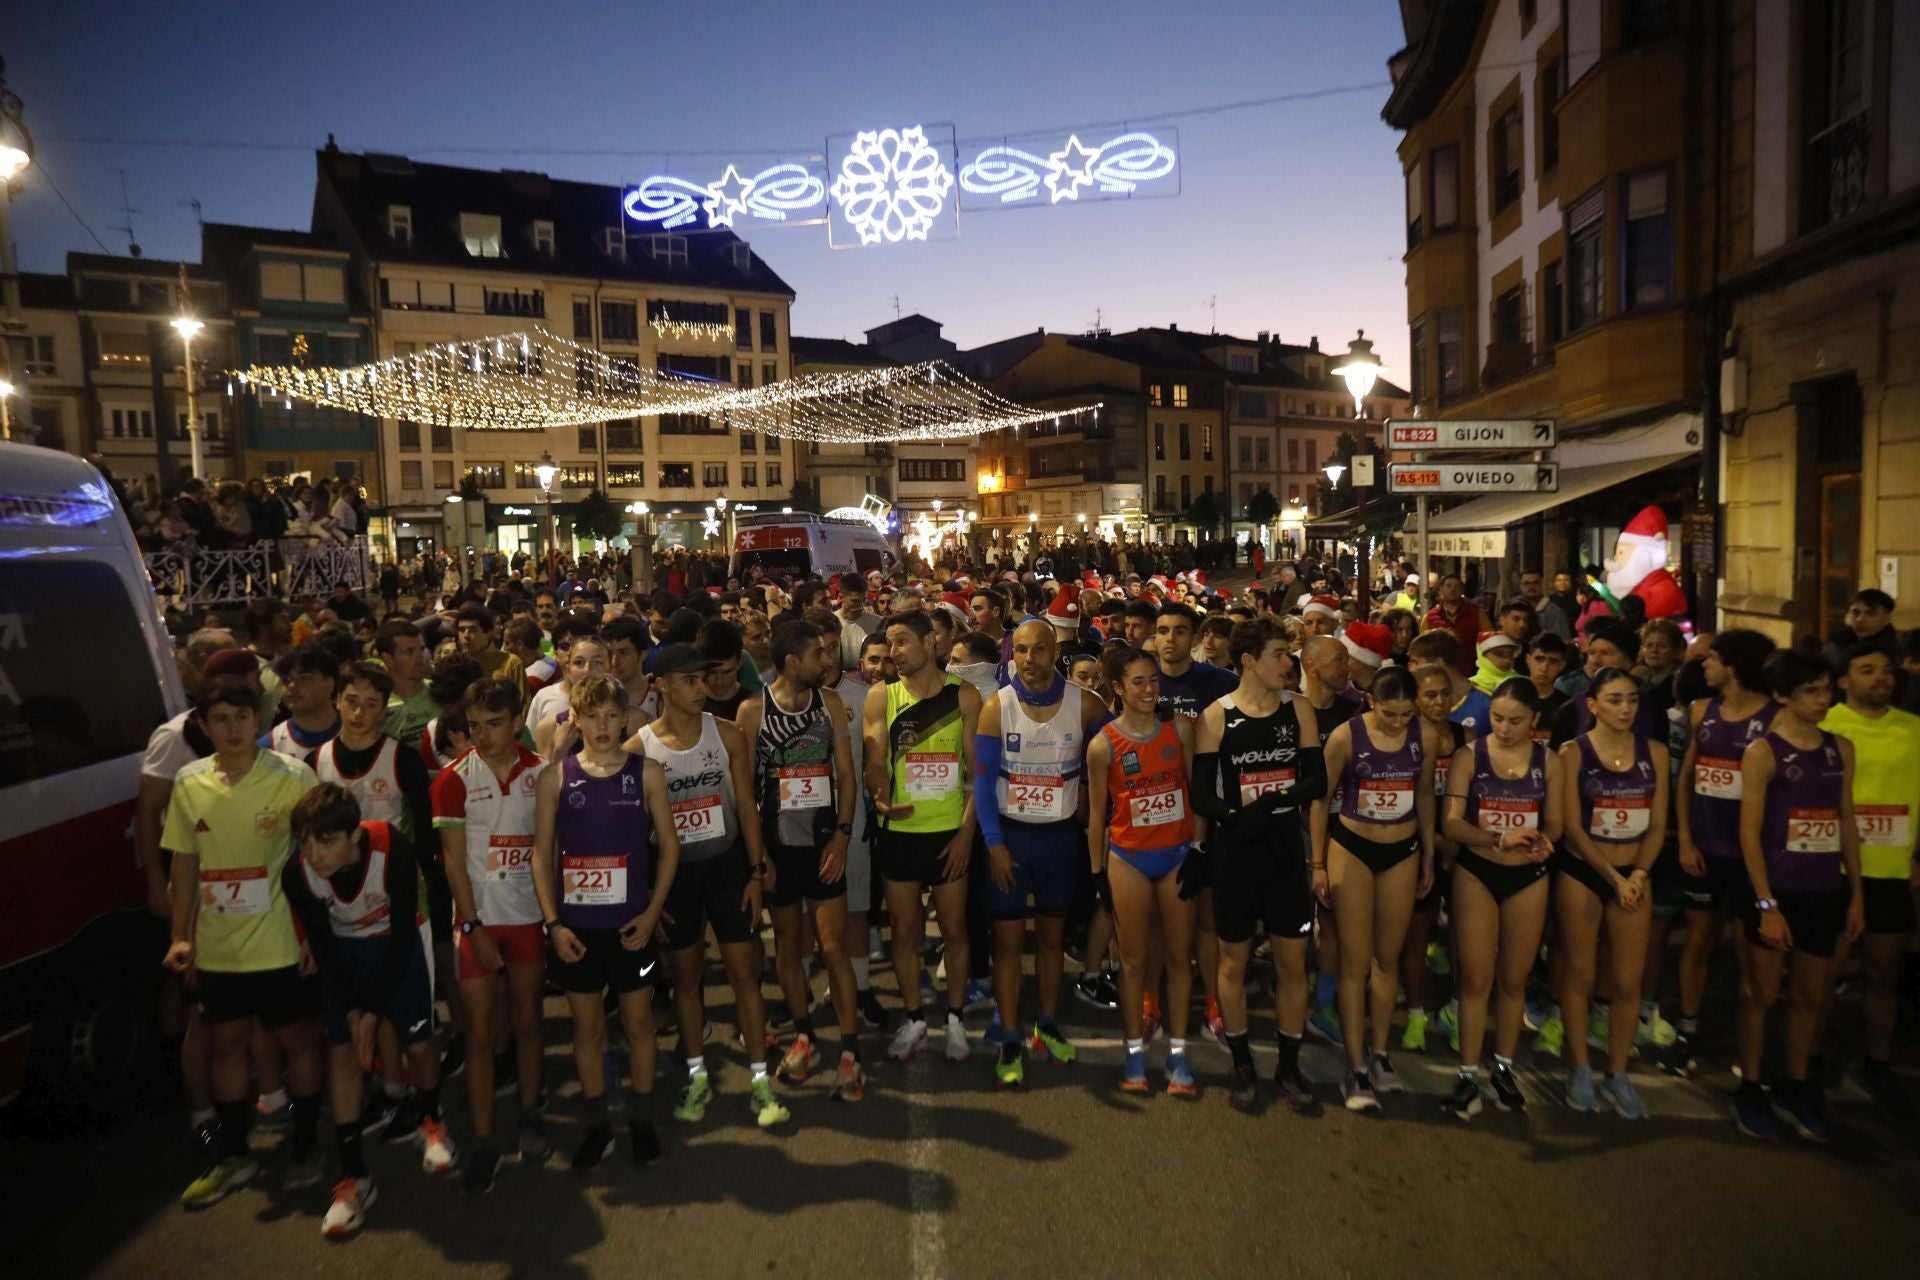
(1173,328)
(1263,337)
(1313,343)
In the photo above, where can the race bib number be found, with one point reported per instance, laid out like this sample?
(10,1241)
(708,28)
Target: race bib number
(1884,824)
(1384,801)
(1813,831)
(1158,808)
(697,820)
(1717,778)
(509,857)
(242,891)
(1040,797)
(1255,785)
(593,881)
(1509,815)
(932,775)
(805,786)
(1620,818)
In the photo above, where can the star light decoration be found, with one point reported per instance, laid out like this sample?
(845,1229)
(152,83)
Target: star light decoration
(538,380)
(1116,168)
(774,194)
(892,185)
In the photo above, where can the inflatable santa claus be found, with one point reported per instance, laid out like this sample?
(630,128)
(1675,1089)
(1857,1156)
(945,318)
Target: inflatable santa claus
(1638,566)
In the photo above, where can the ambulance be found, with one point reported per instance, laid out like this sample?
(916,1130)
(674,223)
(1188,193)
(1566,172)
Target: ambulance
(793,546)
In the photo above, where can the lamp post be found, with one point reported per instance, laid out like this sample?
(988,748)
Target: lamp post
(545,473)
(642,548)
(16,153)
(454,527)
(187,327)
(720,505)
(1360,370)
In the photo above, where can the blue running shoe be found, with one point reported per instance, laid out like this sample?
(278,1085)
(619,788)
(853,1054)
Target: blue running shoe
(1799,1104)
(1580,1090)
(1133,1077)
(998,1035)
(1180,1077)
(978,996)
(1325,1023)
(1751,1114)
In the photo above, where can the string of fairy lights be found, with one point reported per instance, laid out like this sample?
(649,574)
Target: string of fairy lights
(538,380)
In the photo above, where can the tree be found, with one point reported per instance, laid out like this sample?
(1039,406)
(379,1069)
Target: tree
(805,496)
(1205,515)
(598,516)
(1263,508)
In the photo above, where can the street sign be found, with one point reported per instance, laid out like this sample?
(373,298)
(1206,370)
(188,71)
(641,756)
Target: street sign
(1363,470)
(1482,433)
(1473,477)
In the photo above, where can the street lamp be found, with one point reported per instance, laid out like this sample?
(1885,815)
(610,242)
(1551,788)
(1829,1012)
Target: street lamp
(6,413)
(1360,370)
(642,547)
(16,153)
(545,472)
(187,327)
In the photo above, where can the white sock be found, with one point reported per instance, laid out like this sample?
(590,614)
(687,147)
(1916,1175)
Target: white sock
(696,1067)
(275,1100)
(862,973)
(1136,1046)
(1469,1072)
(953,1016)
(759,1072)
(198,1118)
(1176,1046)
(394,1088)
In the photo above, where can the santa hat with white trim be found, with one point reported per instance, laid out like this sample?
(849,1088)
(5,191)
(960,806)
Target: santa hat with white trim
(1064,612)
(1648,529)
(1321,606)
(1369,643)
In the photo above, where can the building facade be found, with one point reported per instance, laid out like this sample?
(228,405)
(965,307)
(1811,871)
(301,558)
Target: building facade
(841,475)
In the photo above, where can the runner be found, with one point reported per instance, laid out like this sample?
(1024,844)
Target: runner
(722,875)
(399,648)
(1029,752)
(853,694)
(1503,814)
(1802,851)
(1256,760)
(1620,780)
(1140,826)
(483,808)
(586,656)
(233,936)
(1434,699)
(919,767)
(309,679)
(796,738)
(599,905)
(1383,763)
(356,892)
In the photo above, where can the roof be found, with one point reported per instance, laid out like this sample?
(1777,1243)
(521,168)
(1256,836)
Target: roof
(363,186)
(833,351)
(157,268)
(905,325)
(46,292)
(1138,348)
(218,239)
(1436,54)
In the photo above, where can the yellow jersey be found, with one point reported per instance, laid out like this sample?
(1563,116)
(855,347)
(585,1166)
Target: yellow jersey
(1886,785)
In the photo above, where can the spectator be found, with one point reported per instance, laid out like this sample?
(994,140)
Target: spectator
(1461,616)
(1868,625)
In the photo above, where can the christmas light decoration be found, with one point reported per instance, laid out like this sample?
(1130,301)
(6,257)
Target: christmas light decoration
(1116,168)
(774,194)
(892,185)
(665,326)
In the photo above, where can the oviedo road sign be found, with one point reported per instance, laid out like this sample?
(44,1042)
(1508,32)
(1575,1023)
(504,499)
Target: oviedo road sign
(1473,477)
(1483,433)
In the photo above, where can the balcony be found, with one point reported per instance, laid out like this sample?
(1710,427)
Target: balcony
(1835,173)
(514,302)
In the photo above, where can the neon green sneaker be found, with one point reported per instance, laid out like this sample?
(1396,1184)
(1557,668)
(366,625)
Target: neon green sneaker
(692,1106)
(1449,1021)
(1009,1067)
(766,1108)
(212,1186)
(1047,1039)
(1552,1037)
(1439,962)
(1414,1039)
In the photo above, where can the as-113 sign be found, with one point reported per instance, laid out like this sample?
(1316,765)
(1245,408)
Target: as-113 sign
(1473,477)
(1483,433)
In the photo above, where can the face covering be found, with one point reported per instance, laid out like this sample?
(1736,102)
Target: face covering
(981,675)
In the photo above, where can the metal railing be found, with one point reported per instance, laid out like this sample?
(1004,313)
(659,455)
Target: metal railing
(188,575)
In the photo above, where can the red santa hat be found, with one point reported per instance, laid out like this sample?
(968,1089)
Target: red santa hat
(1368,642)
(1064,612)
(1322,606)
(1648,529)
(955,599)
(1090,581)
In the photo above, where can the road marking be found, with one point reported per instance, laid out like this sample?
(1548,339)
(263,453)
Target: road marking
(926,1236)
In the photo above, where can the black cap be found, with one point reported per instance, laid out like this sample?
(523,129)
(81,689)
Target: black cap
(680,659)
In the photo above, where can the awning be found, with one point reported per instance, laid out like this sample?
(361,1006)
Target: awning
(1385,516)
(1498,510)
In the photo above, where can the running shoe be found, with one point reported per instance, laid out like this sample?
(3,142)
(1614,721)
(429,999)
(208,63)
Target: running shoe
(909,1040)
(1798,1102)
(436,1146)
(1880,1085)
(405,1123)
(692,1107)
(1506,1090)
(1414,1038)
(1536,1014)
(379,1112)
(352,1197)
(1385,1078)
(1600,1026)
(849,1081)
(1325,1023)
(1552,1037)
(1009,1068)
(593,1147)
(205,1142)
(269,1119)
(1439,962)
(1358,1091)
(1216,1026)
(211,1187)
(1296,1091)
(1464,1102)
(997,1034)
(646,1141)
(1580,1090)
(1449,1021)
(1751,1113)
(979,995)
(1133,1075)
(1180,1077)
(1679,1059)
(872,1012)
(766,1109)
(1618,1092)
(303,1168)
(957,1048)
(1047,1039)
(1244,1092)
(1656,1032)
(1097,989)
(477,1173)
(799,1061)
(532,1136)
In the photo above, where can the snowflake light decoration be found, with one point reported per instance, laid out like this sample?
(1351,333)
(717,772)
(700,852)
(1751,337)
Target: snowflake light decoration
(892,185)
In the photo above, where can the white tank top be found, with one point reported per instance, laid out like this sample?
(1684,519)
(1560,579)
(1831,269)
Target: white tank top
(1041,765)
(369,913)
(377,790)
(280,738)
(699,791)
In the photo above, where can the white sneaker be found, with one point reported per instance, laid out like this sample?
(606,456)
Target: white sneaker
(957,1047)
(908,1040)
(351,1199)
(436,1147)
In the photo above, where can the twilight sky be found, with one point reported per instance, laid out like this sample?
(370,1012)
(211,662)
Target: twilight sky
(1288,217)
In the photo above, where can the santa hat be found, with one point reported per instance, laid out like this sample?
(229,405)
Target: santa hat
(1200,576)
(1064,612)
(1368,642)
(1321,606)
(1497,640)
(1090,581)
(955,599)
(1648,529)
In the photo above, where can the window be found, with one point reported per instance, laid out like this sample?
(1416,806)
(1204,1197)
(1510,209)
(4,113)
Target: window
(1246,451)
(40,361)
(690,424)
(577,475)
(1416,204)
(932,469)
(209,426)
(1180,396)
(1313,454)
(399,294)
(589,438)
(543,237)
(488,475)
(1159,442)
(613,242)
(743,373)
(1646,258)
(280,280)
(410,438)
(1417,361)
(1447,348)
(1293,455)
(1293,493)
(676,475)
(443,439)
(773,475)
(1553,298)
(273,348)
(1509,317)
(750,475)
(1507,151)
(620,322)
(524,476)
(1835,96)
(713,475)
(769,373)
(1206,442)
(130,424)
(1549,115)
(1186,443)
(625,436)
(1445,165)
(626,475)
(1239,363)
(1585,259)
(410,477)
(400,223)
(1246,496)
(480,232)
(668,251)
(749,442)
(443,475)
(1156,394)
(1186,491)
(743,328)
(1644,20)
(1263,452)
(740,254)
(769,333)
(514,302)
(1252,404)
(1160,492)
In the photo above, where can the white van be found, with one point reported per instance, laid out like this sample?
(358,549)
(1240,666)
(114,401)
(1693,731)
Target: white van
(86,673)
(794,545)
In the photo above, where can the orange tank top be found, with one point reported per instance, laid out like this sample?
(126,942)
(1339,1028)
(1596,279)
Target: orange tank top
(1148,804)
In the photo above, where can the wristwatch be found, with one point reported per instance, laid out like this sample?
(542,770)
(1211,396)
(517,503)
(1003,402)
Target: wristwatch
(846,829)
(758,870)
(468,926)
(1764,904)
(547,927)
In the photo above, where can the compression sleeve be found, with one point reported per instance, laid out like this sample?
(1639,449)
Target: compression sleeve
(986,787)
(1206,788)
(1310,776)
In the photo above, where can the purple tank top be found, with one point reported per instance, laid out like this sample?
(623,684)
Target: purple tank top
(1800,831)
(1507,804)
(1713,807)
(1616,808)
(600,833)
(1377,786)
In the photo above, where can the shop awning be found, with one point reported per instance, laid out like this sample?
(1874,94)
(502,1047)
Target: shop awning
(1385,515)
(1496,511)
